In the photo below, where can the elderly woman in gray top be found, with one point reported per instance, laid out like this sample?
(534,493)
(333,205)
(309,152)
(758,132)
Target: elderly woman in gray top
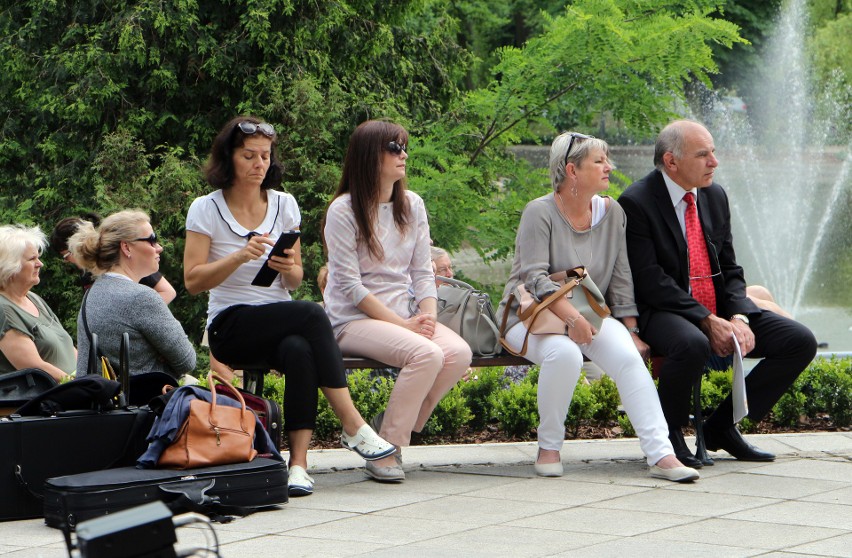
(575,226)
(31,335)
(121,251)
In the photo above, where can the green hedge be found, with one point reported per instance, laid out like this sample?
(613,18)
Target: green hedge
(823,392)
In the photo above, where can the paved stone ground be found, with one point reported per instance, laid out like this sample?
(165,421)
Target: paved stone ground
(484,500)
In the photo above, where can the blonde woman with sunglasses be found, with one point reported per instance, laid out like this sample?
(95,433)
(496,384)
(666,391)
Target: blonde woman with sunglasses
(119,252)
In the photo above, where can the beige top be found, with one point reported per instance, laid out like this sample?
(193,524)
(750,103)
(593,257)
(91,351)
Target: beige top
(546,243)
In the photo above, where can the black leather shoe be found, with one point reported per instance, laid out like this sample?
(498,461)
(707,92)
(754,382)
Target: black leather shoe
(733,442)
(681,450)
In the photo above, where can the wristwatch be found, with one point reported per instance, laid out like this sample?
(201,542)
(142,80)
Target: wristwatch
(633,330)
(742,317)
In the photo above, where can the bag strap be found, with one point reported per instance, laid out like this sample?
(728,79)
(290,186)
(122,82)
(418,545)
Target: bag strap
(595,298)
(212,378)
(571,277)
(454,282)
(533,311)
(93,339)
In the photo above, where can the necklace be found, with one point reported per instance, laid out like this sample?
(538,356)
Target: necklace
(577,233)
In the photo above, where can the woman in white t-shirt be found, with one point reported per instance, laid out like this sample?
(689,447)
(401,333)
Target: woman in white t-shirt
(228,234)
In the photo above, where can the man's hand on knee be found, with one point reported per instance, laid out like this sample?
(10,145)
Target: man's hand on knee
(719,331)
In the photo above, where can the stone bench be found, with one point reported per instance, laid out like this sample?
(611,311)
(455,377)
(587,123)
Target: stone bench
(253,381)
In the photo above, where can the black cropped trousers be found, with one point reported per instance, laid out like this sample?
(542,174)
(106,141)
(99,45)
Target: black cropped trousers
(293,337)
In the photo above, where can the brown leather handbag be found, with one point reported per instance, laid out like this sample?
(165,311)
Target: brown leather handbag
(212,434)
(540,320)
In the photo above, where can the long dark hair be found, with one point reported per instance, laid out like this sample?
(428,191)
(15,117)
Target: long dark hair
(361,175)
(219,169)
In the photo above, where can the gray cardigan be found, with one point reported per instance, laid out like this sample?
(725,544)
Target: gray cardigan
(157,341)
(546,243)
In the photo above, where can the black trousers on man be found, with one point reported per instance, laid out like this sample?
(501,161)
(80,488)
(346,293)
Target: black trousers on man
(785,346)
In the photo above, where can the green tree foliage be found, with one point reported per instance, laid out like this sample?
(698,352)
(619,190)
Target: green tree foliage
(109,103)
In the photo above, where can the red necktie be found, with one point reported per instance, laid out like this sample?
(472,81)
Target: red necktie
(700,275)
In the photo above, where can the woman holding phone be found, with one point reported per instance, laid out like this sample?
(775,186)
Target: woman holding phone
(229,233)
(377,236)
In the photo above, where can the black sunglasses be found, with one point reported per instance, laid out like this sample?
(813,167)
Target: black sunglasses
(396,148)
(571,143)
(250,128)
(152,240)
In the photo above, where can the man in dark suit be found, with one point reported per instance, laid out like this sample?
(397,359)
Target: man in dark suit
(670,280)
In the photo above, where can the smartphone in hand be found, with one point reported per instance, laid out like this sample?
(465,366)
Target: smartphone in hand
(267,275)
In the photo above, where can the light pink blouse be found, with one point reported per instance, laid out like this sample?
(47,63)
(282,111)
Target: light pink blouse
(353,273)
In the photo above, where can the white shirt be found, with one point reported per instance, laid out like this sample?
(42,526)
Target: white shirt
(209,215)
(676,192)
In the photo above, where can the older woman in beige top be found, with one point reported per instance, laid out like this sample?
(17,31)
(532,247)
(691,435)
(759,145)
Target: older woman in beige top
(377,237)
(575,226)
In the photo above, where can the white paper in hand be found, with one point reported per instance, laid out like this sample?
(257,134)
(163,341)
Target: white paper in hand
(738,391)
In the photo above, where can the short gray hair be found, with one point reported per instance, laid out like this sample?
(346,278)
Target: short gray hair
(438,252)
(671,140)
(579,151)
(14,240)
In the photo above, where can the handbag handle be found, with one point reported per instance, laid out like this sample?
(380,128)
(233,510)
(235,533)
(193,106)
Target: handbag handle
(578,274)
(212,378)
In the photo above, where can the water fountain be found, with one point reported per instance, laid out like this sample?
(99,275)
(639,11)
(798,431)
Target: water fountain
(788,187)
(786,184)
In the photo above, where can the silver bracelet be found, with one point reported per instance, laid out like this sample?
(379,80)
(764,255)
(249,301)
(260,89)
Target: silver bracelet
(570,322)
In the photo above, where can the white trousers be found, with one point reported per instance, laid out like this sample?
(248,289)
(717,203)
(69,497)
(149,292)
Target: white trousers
(613,351)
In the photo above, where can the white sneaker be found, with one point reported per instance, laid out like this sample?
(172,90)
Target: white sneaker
(367,444)
(299,482)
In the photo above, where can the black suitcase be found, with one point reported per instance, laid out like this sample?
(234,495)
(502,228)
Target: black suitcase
(35,448)
(18,387)
(75,498)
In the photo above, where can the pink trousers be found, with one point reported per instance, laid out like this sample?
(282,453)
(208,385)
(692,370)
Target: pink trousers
(429,368)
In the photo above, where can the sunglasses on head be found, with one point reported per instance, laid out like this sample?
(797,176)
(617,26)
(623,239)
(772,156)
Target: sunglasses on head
(396,148)
(574,136)
(152,240)
(250,128)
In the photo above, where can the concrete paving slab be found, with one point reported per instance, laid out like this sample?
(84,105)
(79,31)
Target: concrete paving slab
(809,469)
(744,534)
(748,484)
(603,521)
(502,540)
(698,504)
(471,511)
(830,442)
(297,547)
(38,553)
(639,546)
(556,491)
(462,480)
(835,546)
(364,497)
(836,496)
(288,517)
(816,514)
(381,530)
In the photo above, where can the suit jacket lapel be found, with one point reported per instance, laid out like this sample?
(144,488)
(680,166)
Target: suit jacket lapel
(664,204)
